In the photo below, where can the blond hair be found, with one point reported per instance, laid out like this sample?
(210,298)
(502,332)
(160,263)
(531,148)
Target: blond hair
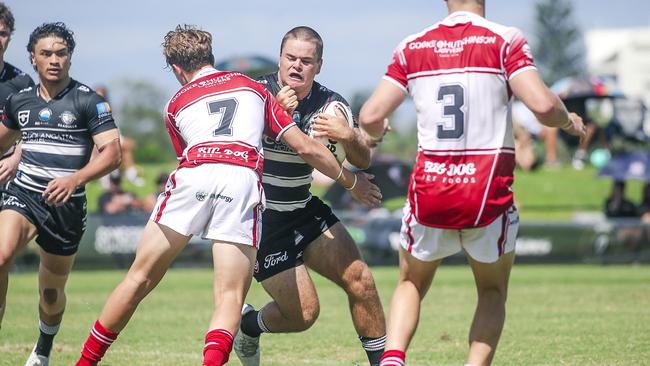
(188,47)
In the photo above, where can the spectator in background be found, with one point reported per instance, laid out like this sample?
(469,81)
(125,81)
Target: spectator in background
(150,201)
(115,200)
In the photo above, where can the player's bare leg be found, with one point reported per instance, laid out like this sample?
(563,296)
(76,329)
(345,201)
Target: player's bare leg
(15,232)
(295,305)
(335,256)
(233,272)
(492,287)
(294,308)
(414,282)
(53,274)
(158,247)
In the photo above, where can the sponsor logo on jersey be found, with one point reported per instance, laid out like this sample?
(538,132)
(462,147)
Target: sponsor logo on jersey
(447,47)
(296,117)
(219,196)
(68,118)
(451,173)
(275,258)
(84,88)
(23,117)
(103,110)
(201,196)
(45,115)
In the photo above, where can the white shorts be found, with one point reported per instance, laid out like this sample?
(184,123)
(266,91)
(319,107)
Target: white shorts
(214,201)
(484,244)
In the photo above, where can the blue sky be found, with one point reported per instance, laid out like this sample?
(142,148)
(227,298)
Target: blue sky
(121,39)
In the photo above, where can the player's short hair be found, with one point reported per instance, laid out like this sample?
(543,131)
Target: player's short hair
(7,17)
(188,47)
(304,33)
(57,29)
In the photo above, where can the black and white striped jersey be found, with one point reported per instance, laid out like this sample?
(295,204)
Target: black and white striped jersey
(287,178)
(12,80)
(56,135)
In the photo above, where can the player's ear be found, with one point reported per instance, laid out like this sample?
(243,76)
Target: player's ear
(319,64)
(178,72)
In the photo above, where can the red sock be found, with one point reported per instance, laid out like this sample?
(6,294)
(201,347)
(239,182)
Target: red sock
(218,344)
(393,357)
(96,345)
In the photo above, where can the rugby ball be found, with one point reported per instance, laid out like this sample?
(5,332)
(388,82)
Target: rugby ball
(9,151)
(330,109)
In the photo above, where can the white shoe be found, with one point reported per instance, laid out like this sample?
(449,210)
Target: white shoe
(37,360)
(246,347)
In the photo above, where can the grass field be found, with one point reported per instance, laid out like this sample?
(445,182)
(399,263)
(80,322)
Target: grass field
(557,315)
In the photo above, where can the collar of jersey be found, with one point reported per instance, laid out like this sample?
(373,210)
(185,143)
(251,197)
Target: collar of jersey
(204,72)
(59,95)
(460,17)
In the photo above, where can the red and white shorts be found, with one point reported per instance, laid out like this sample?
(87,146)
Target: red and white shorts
(484,244)
(214,201)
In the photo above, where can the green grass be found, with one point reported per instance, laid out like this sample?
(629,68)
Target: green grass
(557,315)
(558,194)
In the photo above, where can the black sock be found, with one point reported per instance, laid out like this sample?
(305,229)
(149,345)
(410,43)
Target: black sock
(374,347)
(252,324)
(44,344)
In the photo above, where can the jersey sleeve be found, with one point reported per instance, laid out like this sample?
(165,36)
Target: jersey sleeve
(396,72)
(174,134)
(277,120)
(99,115)
(519,56)
(8,118)
(23,81)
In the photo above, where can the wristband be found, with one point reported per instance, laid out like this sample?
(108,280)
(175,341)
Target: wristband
(567,125)
(340,174)
(353,184)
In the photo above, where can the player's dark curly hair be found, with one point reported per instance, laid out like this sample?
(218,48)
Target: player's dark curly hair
(57,29)
(7,17)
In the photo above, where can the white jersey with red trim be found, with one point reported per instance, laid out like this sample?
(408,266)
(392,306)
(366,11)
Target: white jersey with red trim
(457,73)
(220,117)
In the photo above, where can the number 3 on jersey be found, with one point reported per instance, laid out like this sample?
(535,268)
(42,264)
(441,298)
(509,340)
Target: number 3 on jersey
(452,98)
(225,109)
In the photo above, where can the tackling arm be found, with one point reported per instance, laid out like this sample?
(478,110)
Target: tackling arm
(319,157)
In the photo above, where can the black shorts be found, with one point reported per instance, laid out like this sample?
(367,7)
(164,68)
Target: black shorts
(285,235)
(59,228)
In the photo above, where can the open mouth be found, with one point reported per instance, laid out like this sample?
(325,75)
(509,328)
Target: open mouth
(295,76)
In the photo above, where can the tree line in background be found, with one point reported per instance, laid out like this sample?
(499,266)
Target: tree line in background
(558,48)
